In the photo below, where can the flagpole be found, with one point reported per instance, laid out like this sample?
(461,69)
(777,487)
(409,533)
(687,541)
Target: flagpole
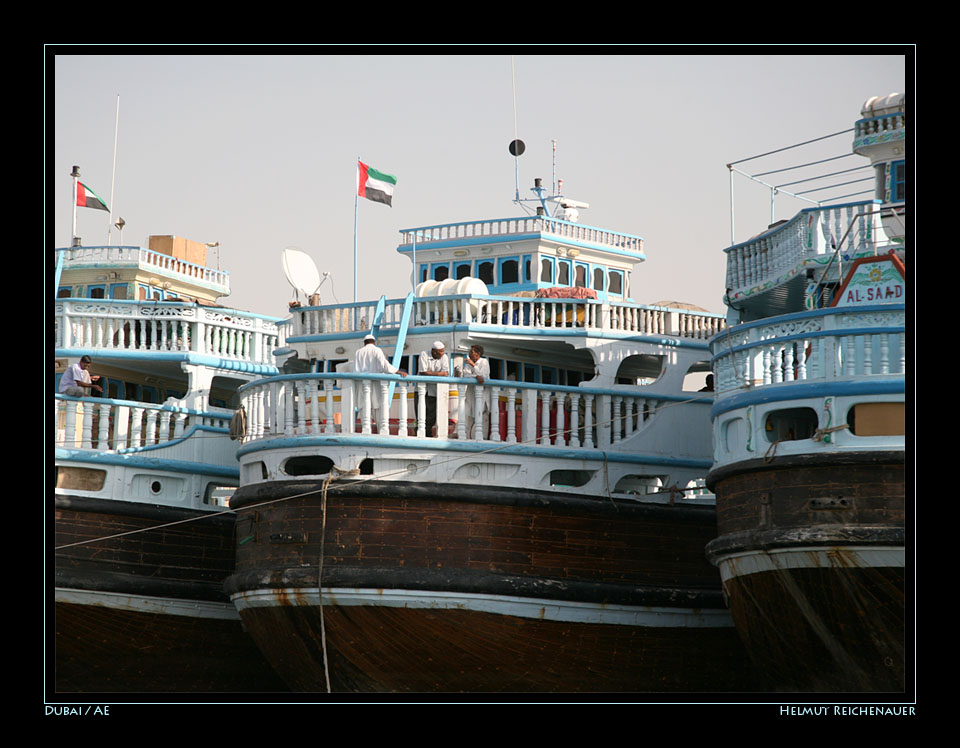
(356,210)
(76,175)
(116,127)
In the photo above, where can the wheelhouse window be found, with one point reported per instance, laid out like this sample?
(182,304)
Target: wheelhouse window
(616,282)
(598,279)
(581,276)
(546,270)
(563,273)
(485,272)
(509,271)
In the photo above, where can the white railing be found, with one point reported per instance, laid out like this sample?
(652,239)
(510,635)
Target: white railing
(763,262)
(512,412)
(510,312)
(507,227)
(112,425)
(165,326)
(873,128)
(825,344)
(147,259)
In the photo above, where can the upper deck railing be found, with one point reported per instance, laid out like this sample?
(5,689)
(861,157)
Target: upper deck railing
(504,228)
(819,345)
(149,326)
(508,313)
(765,261)
(878,129)
(146,259)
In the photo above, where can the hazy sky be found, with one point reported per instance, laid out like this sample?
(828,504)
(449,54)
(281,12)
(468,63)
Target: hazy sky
(259,152)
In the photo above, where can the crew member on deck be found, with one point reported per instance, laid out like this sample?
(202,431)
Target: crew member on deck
(434,363)
(76,380)
(370,359)
(475,365)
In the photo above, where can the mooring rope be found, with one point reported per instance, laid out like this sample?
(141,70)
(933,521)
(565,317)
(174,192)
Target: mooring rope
(335,472)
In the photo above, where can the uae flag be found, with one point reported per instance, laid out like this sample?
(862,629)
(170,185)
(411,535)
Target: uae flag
(375,185)
(87,198)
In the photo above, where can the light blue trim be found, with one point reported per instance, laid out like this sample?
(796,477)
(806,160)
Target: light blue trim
(453,445)
(706,399)
(199,359)
(559,332)
(784,391)
(135,460)
(141,404)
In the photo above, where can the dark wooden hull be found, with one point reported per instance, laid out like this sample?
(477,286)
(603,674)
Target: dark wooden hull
(146,611)
(812,560)
(457,588)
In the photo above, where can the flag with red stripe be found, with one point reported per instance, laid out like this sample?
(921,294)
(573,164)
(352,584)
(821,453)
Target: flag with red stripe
(87,198)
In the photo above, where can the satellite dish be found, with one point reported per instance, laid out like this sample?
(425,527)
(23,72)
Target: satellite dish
(301,271)
(516,148)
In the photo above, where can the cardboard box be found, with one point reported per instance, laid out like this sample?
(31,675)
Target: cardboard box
(182,249)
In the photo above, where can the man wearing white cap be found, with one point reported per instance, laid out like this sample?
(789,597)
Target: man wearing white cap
(434,363)
(370,359)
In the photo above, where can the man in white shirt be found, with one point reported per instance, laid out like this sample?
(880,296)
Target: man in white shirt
(436,363)
(76,379)
(370,359)
(475,365)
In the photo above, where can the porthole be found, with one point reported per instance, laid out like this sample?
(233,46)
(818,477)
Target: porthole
(308,465)
(790,424)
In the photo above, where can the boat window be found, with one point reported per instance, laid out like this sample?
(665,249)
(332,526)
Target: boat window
(223,392)
(462,270)
(898,183)
(616,282)
(217,495)
(118,291)
(877,419)
(308,465)
(80,479)
(563,273)
(696,378)
(527,269)
(572,478)
(441,272)
(790,424)
(485,272)
(423,273)
(509,271)
(598,279)
(640,485)
(64,293)
(581,276)
(546,270)
(640,369)
(96,292)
